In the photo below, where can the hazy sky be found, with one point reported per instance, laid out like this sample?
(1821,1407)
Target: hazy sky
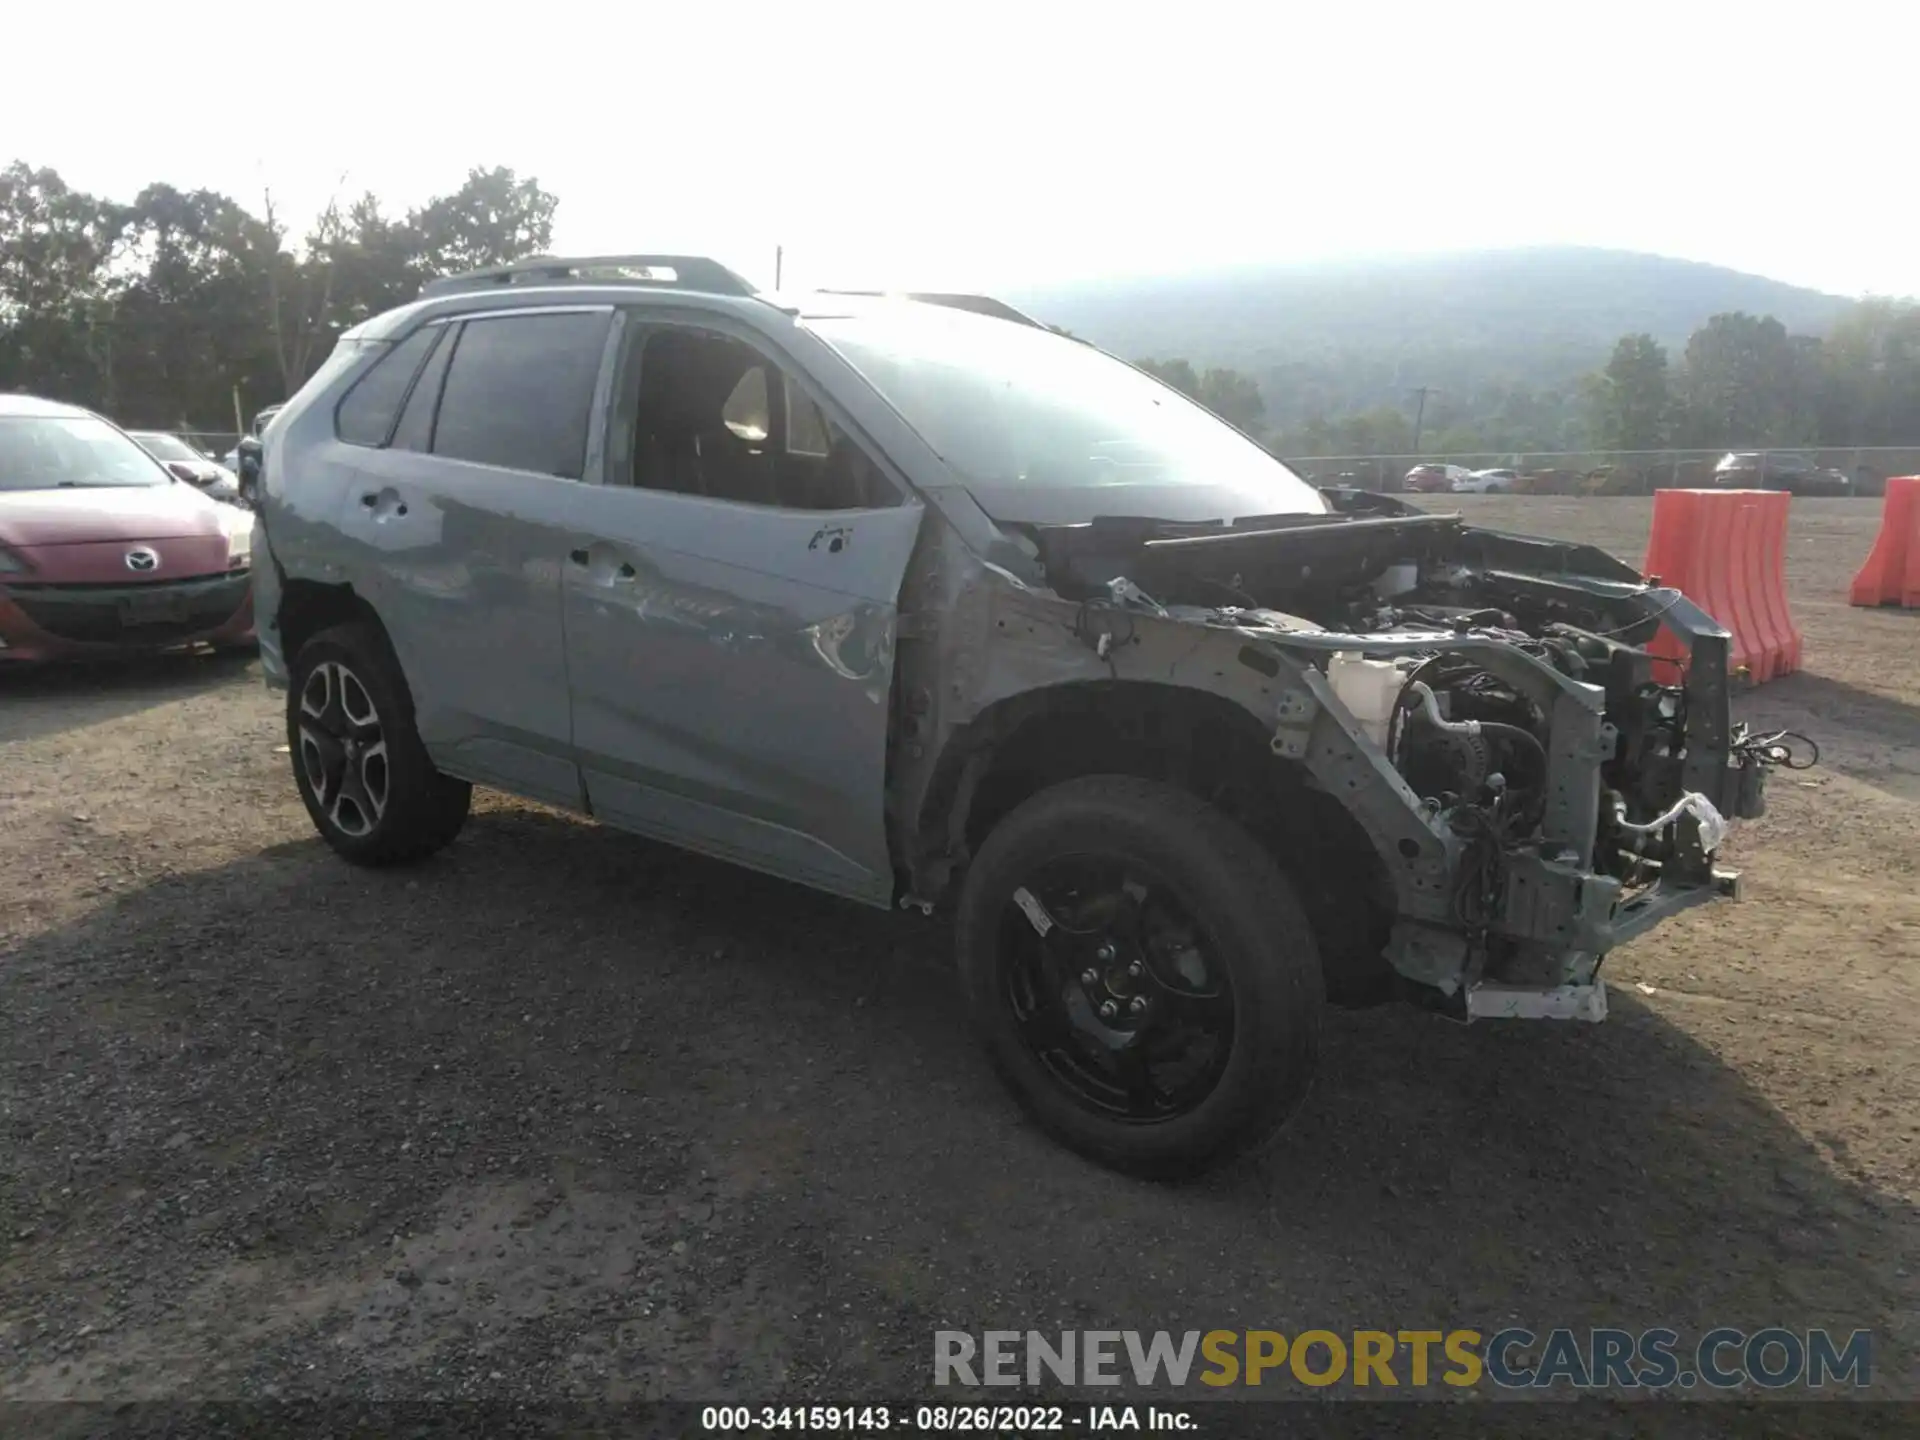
(983,144)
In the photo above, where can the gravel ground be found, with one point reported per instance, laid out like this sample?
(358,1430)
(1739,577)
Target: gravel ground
(564,1114)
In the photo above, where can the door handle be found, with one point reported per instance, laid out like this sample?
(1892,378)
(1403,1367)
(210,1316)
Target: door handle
(584,558)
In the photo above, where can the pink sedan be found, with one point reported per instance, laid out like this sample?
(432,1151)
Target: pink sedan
(103,551)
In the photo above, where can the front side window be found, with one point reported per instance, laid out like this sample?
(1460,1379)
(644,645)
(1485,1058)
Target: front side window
(1045,430)
(713,416)
(71,453)
(519,392)
(809,432)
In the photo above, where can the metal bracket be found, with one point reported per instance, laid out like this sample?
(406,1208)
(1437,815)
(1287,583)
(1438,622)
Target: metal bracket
(1564,1002)
(1294,714)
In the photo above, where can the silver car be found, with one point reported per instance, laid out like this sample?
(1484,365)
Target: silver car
(1487,482)
(916,601)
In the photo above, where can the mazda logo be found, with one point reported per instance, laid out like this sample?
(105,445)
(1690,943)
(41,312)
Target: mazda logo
(142,559)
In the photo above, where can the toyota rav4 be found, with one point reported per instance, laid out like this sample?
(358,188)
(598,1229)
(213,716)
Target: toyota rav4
(920,602)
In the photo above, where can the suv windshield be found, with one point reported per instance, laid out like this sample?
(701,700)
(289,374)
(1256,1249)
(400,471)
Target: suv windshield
(61,452)
(1045,430)
(167,447)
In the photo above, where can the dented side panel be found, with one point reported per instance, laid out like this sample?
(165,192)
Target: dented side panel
(731,668)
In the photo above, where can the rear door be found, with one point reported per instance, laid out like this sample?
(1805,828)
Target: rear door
(730,598)
(465,495)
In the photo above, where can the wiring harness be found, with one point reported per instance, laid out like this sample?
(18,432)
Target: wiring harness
(1788,749)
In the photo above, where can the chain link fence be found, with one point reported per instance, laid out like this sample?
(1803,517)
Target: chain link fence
(1864,470)
(1857,471)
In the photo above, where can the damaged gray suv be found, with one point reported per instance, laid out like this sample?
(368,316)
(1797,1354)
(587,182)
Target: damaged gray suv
(917,601)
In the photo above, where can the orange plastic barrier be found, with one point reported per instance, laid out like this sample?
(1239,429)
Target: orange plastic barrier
(1725,550)
(1891,575)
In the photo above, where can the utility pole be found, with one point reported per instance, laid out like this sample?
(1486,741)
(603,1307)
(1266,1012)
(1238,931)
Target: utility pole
(779,256)
(1420,416)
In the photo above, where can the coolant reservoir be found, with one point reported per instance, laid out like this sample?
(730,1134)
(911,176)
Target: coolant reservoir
(1368,688)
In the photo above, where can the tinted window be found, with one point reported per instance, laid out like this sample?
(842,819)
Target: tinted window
(366,415)
(713,417)
(415,430)
(519,391)
(808,431)
(746,413)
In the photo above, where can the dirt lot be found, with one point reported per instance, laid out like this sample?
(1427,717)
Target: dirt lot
(563,1113)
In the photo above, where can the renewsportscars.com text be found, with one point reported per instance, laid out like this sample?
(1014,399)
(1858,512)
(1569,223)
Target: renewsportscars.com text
(1516,1359)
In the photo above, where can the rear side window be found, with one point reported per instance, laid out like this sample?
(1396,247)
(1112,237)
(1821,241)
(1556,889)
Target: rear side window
(415,430)
(367,414)
(519,391)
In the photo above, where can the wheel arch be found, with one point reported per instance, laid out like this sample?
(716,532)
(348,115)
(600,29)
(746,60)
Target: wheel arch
(1205,743)
(309,606)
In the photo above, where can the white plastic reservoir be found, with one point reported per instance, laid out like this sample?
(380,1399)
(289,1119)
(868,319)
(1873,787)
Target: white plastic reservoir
(1368,688)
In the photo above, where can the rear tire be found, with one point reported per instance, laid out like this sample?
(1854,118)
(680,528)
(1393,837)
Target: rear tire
(1243,926)
(358,761)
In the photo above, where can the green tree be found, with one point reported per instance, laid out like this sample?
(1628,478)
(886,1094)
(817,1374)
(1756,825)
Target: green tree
(160,310)
(1870,393)
(1380,431)
(1747,382)
(493,218)
(188,322)
(1234,397)
(57,285)
(1230,394)
(1458,439)
(1630,402)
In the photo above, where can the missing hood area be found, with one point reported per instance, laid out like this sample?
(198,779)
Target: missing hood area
(1503,678)
(1372,564)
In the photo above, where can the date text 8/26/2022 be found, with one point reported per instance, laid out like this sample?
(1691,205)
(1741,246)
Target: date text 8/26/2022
(943,1419)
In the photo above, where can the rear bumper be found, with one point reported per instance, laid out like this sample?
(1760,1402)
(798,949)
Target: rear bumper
(266,606)
(75,622)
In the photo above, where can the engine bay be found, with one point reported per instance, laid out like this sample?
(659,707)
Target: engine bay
(1417,620)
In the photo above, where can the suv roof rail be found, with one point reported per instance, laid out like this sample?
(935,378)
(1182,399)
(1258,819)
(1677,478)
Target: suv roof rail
(685,272)
(978,304)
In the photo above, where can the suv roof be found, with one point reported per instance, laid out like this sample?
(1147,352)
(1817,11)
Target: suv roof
(683,272)
(695,274)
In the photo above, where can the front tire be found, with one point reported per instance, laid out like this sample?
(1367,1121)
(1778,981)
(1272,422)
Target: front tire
(358,761)
(1143,976)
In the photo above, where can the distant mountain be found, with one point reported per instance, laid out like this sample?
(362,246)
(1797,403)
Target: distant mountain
(1336,337)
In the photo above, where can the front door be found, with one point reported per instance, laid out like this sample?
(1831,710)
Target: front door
(730,599)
